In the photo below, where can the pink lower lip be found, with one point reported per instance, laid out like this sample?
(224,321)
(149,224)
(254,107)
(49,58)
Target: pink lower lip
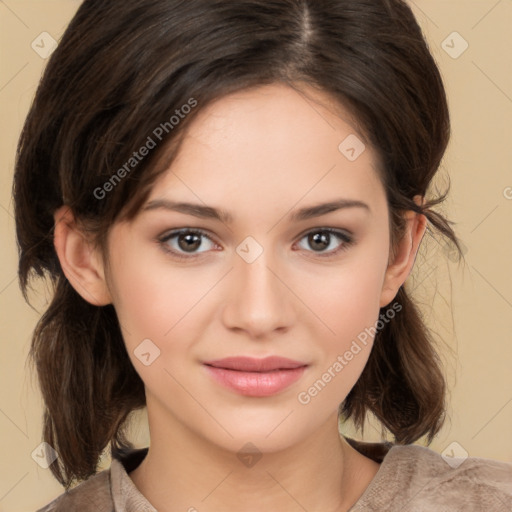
(256,383)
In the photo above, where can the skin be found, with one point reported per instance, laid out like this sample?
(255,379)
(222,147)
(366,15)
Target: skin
(260,154)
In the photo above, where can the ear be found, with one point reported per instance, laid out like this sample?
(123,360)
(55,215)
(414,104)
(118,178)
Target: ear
(399,269)
(81,262)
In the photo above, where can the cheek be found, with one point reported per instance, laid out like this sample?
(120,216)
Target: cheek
(154,300)
(347,302)
(346,299)
(357,304)
(162,307)
(349,307)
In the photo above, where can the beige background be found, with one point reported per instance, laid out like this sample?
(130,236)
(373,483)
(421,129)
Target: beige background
(476,338)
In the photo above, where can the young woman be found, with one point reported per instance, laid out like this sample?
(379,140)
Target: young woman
(228,197)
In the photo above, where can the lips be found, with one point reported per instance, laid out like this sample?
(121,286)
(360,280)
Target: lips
(250,364)
(255,377)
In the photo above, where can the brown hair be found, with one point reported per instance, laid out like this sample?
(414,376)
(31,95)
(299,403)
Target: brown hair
(121,70)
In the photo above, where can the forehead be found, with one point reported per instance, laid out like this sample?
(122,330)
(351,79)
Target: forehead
(272,144)
(275,117)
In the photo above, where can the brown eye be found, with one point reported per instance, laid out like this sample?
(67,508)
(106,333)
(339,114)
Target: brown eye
(321,239)
(186,242)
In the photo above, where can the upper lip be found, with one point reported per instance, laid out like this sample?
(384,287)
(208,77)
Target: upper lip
(251,364)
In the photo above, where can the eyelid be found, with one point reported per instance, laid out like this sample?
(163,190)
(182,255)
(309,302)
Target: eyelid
(330,229)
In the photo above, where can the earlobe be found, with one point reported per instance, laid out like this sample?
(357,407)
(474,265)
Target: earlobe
(399,269)
(80,261)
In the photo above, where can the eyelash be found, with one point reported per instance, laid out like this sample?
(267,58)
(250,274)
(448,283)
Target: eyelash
(341,235)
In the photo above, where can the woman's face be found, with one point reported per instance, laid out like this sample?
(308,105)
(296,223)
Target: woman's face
(267,279)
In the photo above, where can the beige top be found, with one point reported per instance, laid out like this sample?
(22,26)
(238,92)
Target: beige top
(410,479)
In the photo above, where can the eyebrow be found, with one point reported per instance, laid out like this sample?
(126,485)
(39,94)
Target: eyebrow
(208,212)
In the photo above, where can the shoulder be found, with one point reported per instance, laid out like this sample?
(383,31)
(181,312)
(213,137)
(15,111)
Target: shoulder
(458,484)
(415,478)
(92,495)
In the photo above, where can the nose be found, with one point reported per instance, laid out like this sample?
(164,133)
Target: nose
(259,299)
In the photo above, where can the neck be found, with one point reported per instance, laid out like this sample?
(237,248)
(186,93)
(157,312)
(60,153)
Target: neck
(183,471)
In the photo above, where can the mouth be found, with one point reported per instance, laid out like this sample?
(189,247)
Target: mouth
(255,377)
